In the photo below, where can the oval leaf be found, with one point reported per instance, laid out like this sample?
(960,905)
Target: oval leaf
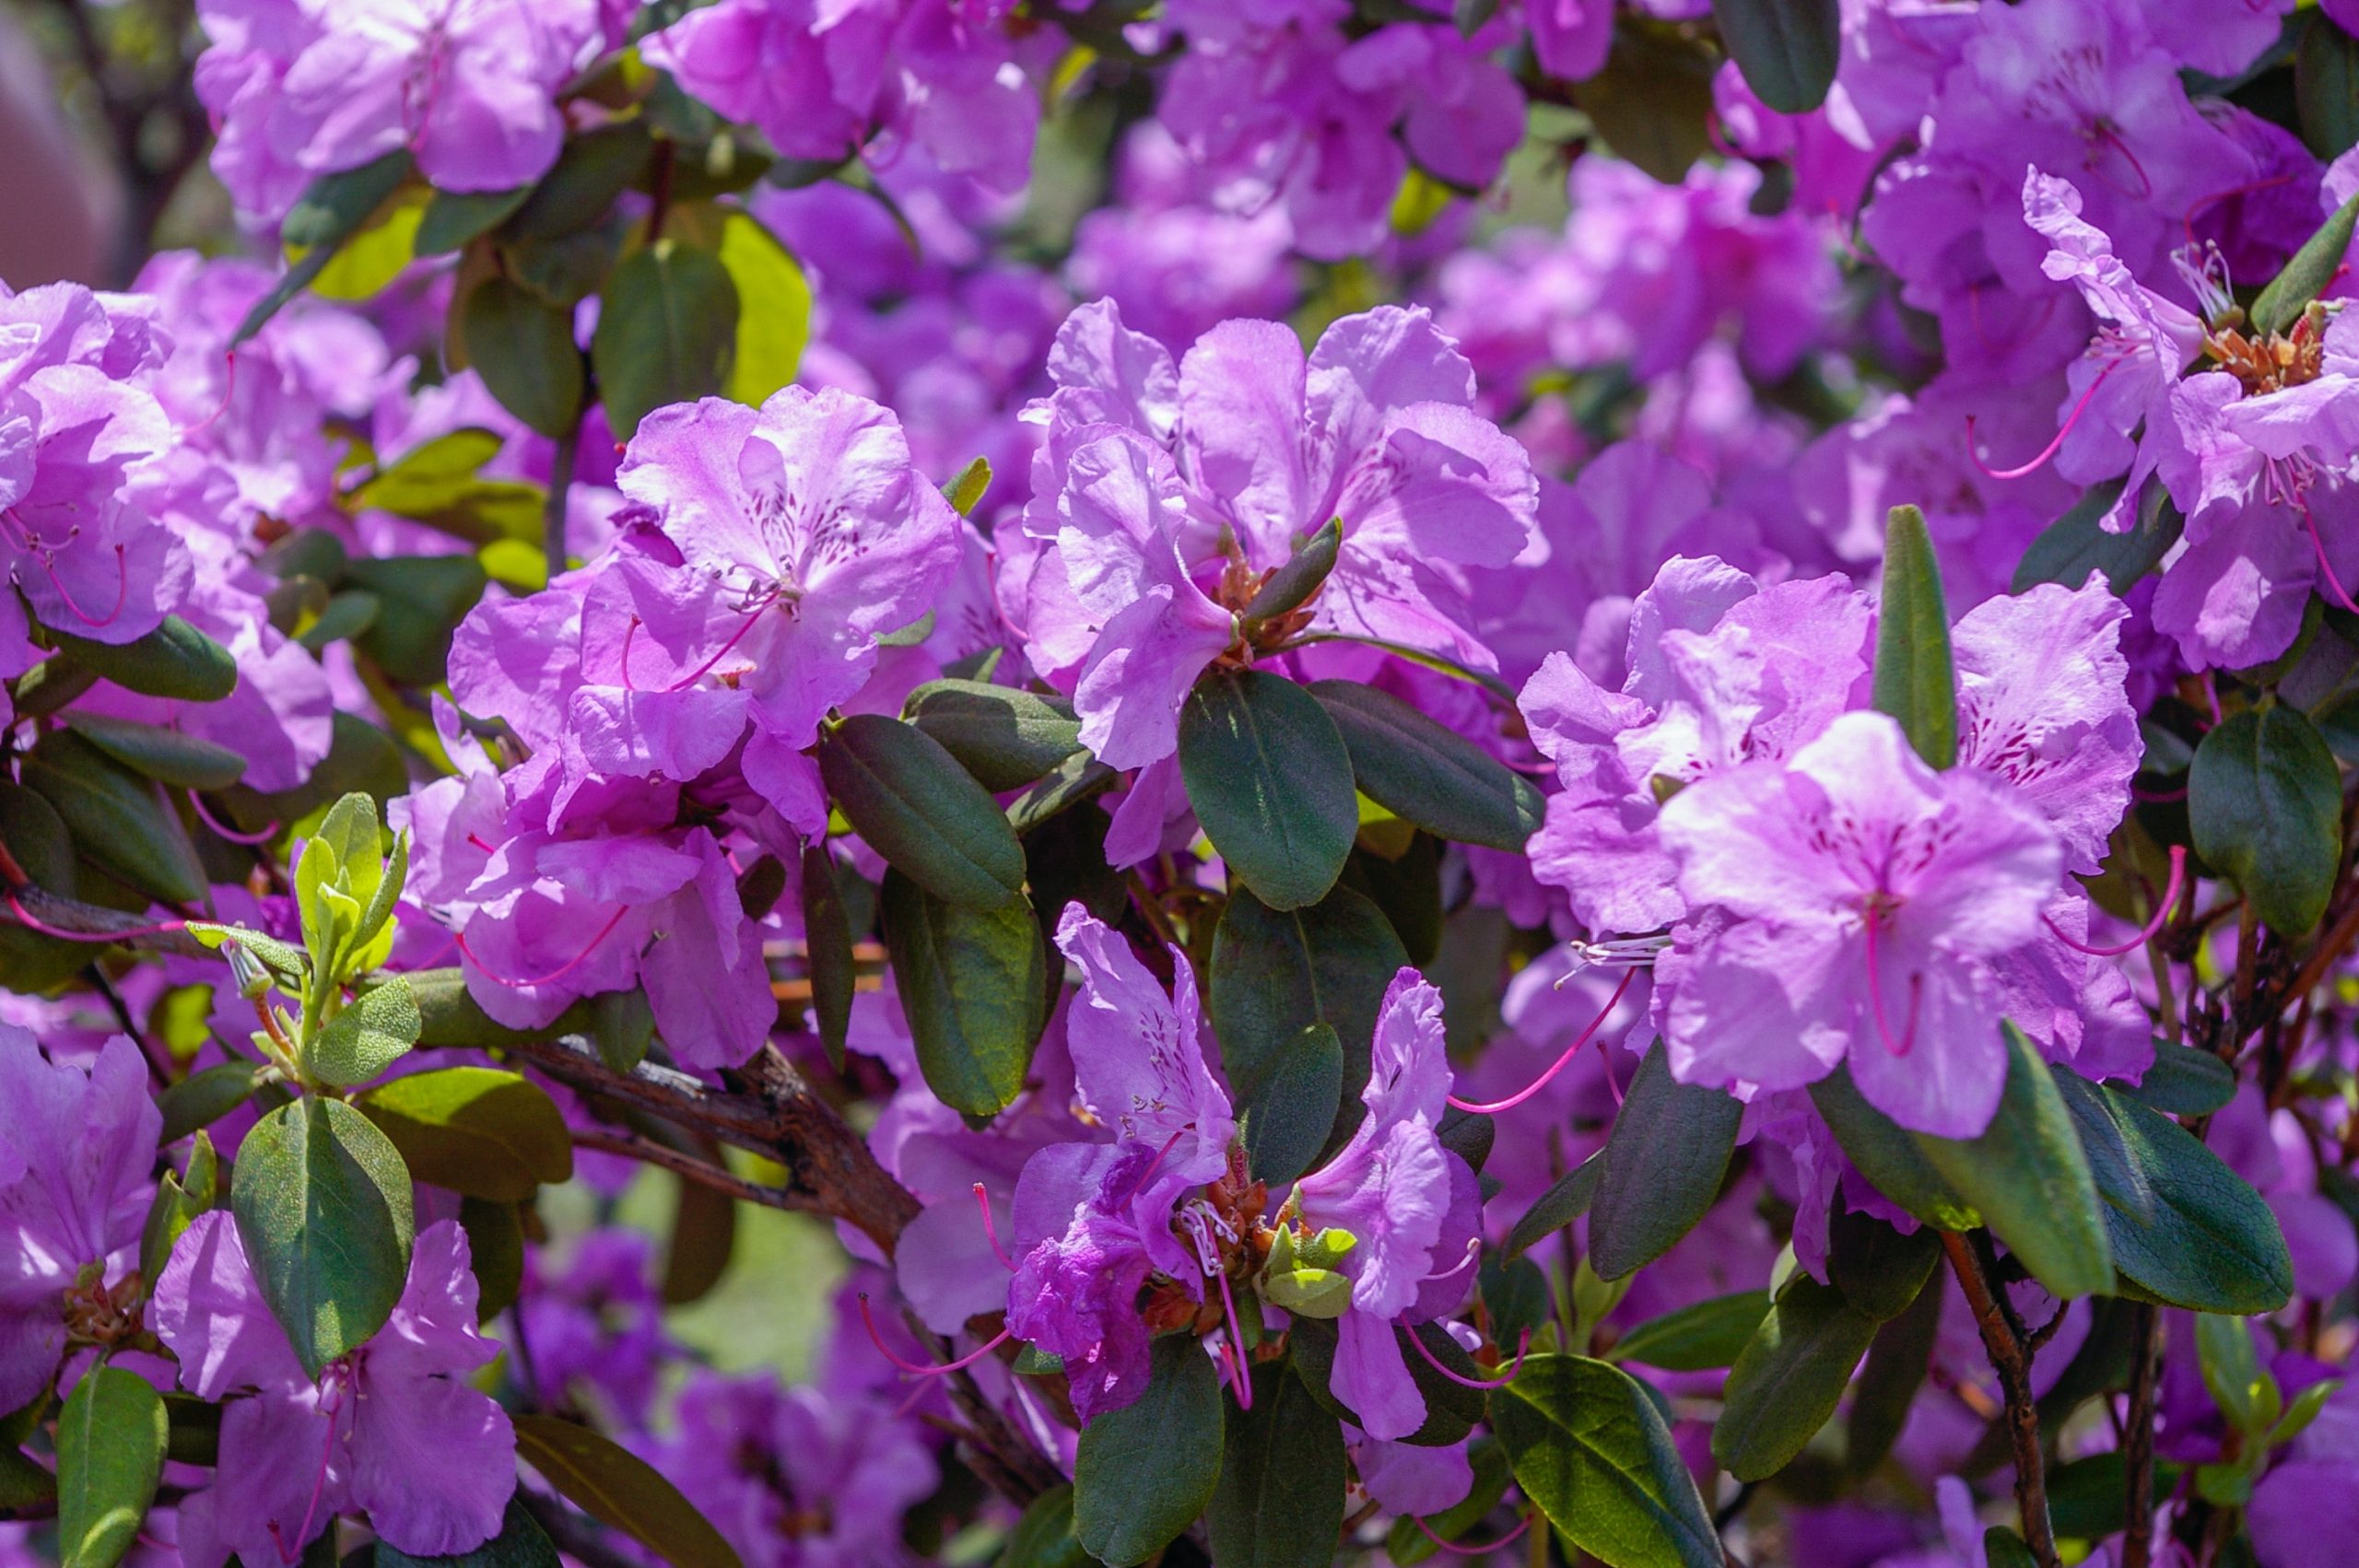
(1916,677)
(1271,781)
(1566,1200)
(110,1438)
(1006,738)
(1144,1472)
(975,985)
(2264,800)
(1887,1155)
(2214,1244)
(1877,1268)
(773,309)
(323,1203)
(206,1096)
(117,818)
(1662,1166)
(1699,1336)
(473,1130)
(1287,1122)
(174,661)
(1426,773)
(826,935)
(1280,1501)
(1043,1537)
(522,348)
(914,804)
(1588,1446)
(369,1036)
(1787,49)
(622,1490)
(1788,1382)
(666,333)
(166,755)
(2183,1081)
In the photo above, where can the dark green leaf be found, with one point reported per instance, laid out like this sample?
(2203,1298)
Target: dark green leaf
(667,333)
(703,1236)
(1662,1166)
(827,932)
(1653,102)
(2183,1081)
(179,1200)
(495,1253)
(522,348)
(1878,1270)
(2264,800)
(1589,1447)
(2213,1246)
(2120,1180)
(1290,586)
(473,1130)
(1147,1470)
(1275,974)
(1916,677)
(425,597)
(195,1437)
(1271,784)
(1004,736)
(1699,1336)
(323,1206)
(2326,86)
(1888,1157)
(1427,774)
(453,217)
(1043,1537)
(622,1025)
(1451,1408)
(2030,1181)
(914,804)
(36,835)
(166,755)
(1787,49)
(521,1543)
(1516,1294)
(345,617)
(974,983)
(332,210)
(174,661)
(371,1033)
(2307,276)
(621,1489)
(580,187)
(110,1437)
(2078,543)
(1078,778)
(1886,1388)
(1287,1122)
(1790,1378)
(1408,889)
(206,1096)
(1280,1500)
(2002,1547)
(1566,1200)
(118,819)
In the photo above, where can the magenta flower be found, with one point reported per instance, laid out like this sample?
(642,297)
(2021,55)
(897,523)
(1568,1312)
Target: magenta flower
(75,1155)
(1856,899)
(390,1430)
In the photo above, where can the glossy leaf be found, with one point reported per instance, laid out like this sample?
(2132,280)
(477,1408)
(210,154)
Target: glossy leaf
(1144,1472)
(2183,1081)
(1788,1382)
(2078,543)
(1566,1200)
(826,935)
(2264,799)
(175,660)
(2305,278)
(1886,1389)
(323,1203)
(1879,1270)
(1916,677)
(1286,1121)
(621,1489)
(1005,736)
(522,348)
(1426,773)
(1662,1166)
(473,1130)
(1699,1336)
(1787,49)
(167,756)
(1271,781)
(667,332)
(974,984)
(110,1438)
(206,1096)
(119,819)
(1588,1446)
(1279,1503)
(2213,1246)
(910,798)
(1888,1157)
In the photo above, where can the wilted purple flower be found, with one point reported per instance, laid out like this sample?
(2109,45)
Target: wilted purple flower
(392,1429)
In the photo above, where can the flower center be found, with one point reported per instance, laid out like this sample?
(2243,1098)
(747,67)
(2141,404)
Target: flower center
(2273,363)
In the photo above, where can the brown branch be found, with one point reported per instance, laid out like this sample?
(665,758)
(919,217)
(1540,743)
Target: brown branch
(2002,1338)
(633,1146)
(2138,1444)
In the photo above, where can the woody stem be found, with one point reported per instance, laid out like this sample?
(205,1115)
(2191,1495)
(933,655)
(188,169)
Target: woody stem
(2003,1338)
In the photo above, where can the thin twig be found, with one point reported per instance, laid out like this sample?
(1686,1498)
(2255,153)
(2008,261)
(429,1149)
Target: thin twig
(634,1146)
(2002,1338)
(2138,1444)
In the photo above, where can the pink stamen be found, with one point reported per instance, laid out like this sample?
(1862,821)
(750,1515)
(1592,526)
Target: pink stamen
(1503,1542)
(1154,1165)
(228,390)
(2158,797)
(1238,1370)
(27,918)
(1522,1349)
(477,840)
(558,973)
(223,830)
(753,617)
(931,1371)
(2341,594)
(1876,997)
(2120,143)
(991,1228)
(121,589)
(2162,914)
(1561,1062)
(2036,464)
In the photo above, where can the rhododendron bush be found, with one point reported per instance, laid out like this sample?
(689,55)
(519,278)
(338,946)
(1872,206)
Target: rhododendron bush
(1244,782)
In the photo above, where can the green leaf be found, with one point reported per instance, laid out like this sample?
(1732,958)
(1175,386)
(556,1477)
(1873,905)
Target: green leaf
(1664,1162)
(1287,1122)
(495,1253)
(773,309)
(2029,1177)
(440,484)
(667,333)
(2214,1244)
(1144,1472)
(909,798)
(1588,1446)
(1788,1382)
(2326,86)
(521,1543)
(1916,677)
(118,819)
(827,934)
(1043,1537)
(1276,973)
(377,1030)
(2078,543)
(1888,1155)
(332,210)
(175,660)
(2120,1180)
(1787,49)
(177,1204)
(2002,1547)
(453,217)
(110,1437)
(1290,586)
(1885,1390)
(1653,102)
(365,265)
(579,189)
(975,986)
(622,1025)
(1006,737)
(166,755)
(323,1206)
(1270,782)
(206,1096)
(1451,1408)
(473,1130)
(1078,778)
(425,597)
(2264,800)
(1427,774)
(1280,1500)
(2305,277)
(965,491)
(2183,1081)
(1566,1200)
(2231,1370)
(1697,1337)
(522,348)
(621,1489)
(1878,1270)
(1407,1545)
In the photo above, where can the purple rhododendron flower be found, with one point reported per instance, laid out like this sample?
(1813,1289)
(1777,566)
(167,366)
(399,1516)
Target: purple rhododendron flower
(391,1429)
